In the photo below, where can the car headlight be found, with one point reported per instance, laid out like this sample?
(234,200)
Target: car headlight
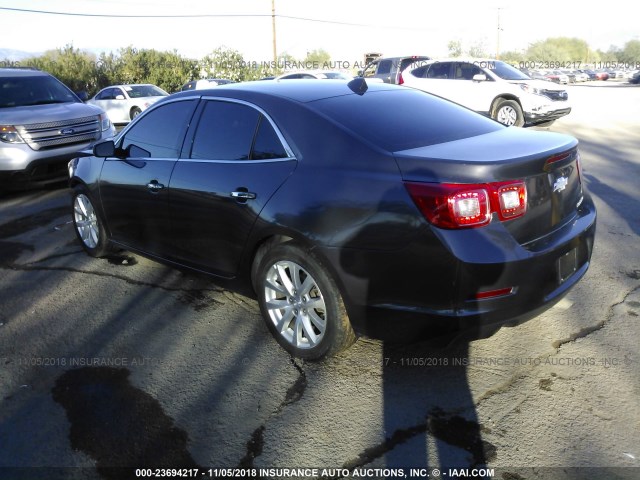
(105,123)
(529,89)
(9,134)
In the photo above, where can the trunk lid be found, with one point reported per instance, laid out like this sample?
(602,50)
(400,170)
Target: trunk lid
(547,162)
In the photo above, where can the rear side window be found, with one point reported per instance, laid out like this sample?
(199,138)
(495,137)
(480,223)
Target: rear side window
(385,66)
(233,131)
(161,131)
(267,145)
(438,70)
(225,132)
(404,118)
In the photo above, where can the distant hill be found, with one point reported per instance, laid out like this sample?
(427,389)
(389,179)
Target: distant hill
(9,54)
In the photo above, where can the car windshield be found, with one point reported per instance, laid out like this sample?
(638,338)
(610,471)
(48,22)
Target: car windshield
(506,71)
(405,118)
(139,91)
(36,90)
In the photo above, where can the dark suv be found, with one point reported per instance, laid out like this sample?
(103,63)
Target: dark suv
(43,125)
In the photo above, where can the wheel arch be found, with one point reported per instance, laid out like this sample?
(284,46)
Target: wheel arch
(499,98)
(259,247)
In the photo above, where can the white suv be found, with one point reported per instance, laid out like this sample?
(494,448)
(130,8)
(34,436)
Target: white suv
(43,125)
(490,87)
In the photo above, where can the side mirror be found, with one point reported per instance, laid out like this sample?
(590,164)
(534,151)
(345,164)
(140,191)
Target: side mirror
(480,77)
(119,97)
(104,149)
(82,95)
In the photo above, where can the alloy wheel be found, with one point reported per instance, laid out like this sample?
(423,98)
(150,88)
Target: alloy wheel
(86,221)
(295,304)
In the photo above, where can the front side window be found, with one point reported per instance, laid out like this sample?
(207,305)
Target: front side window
(161,131)
(466,71)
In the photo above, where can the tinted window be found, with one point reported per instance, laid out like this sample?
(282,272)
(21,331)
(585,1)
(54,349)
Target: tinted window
(439,70)
(420,72)
(161,131)
(36,90)
(267,144)
(384,67)
(465,71)
(225,131)
(404,118)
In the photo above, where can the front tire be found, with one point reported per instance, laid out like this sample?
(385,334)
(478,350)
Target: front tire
(88,225)
(509,112)
(300,303)
(135,111)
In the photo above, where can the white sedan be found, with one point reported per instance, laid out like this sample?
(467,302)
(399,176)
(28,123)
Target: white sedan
(125,102)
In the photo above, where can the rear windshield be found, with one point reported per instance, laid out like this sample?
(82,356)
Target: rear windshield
(404,118)
(36,90)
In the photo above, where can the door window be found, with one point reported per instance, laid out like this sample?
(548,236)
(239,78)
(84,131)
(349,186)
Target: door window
(161,131)
(466,71)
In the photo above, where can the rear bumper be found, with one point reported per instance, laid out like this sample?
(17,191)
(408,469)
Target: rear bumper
(433,291)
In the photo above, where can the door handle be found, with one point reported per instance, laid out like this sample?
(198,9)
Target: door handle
(243,195)
(154,186)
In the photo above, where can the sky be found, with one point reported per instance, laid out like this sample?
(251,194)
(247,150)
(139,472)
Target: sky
(346,29)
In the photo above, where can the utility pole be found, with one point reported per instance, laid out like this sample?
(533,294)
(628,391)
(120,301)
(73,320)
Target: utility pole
(273,27)
(498,40)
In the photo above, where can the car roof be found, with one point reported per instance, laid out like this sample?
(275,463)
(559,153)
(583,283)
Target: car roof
(23,72)
(132,85)
(302,91)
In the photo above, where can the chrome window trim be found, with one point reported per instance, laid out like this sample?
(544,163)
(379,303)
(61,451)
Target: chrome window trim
(287,148)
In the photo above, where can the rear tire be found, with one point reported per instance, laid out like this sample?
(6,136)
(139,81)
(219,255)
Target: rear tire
(300,302)
(88,225)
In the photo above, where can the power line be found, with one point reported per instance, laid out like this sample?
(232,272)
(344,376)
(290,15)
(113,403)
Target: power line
(192,15)
(210,15)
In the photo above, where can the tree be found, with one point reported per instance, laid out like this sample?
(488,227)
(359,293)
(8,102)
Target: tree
(513,57)
(168,70)
(455,48)
(630,53)
(477,50)
(559,49)
(317,59)
(70,65)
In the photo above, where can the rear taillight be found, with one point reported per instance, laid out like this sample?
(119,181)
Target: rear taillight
(400,79)
(579,167)
(452,205)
